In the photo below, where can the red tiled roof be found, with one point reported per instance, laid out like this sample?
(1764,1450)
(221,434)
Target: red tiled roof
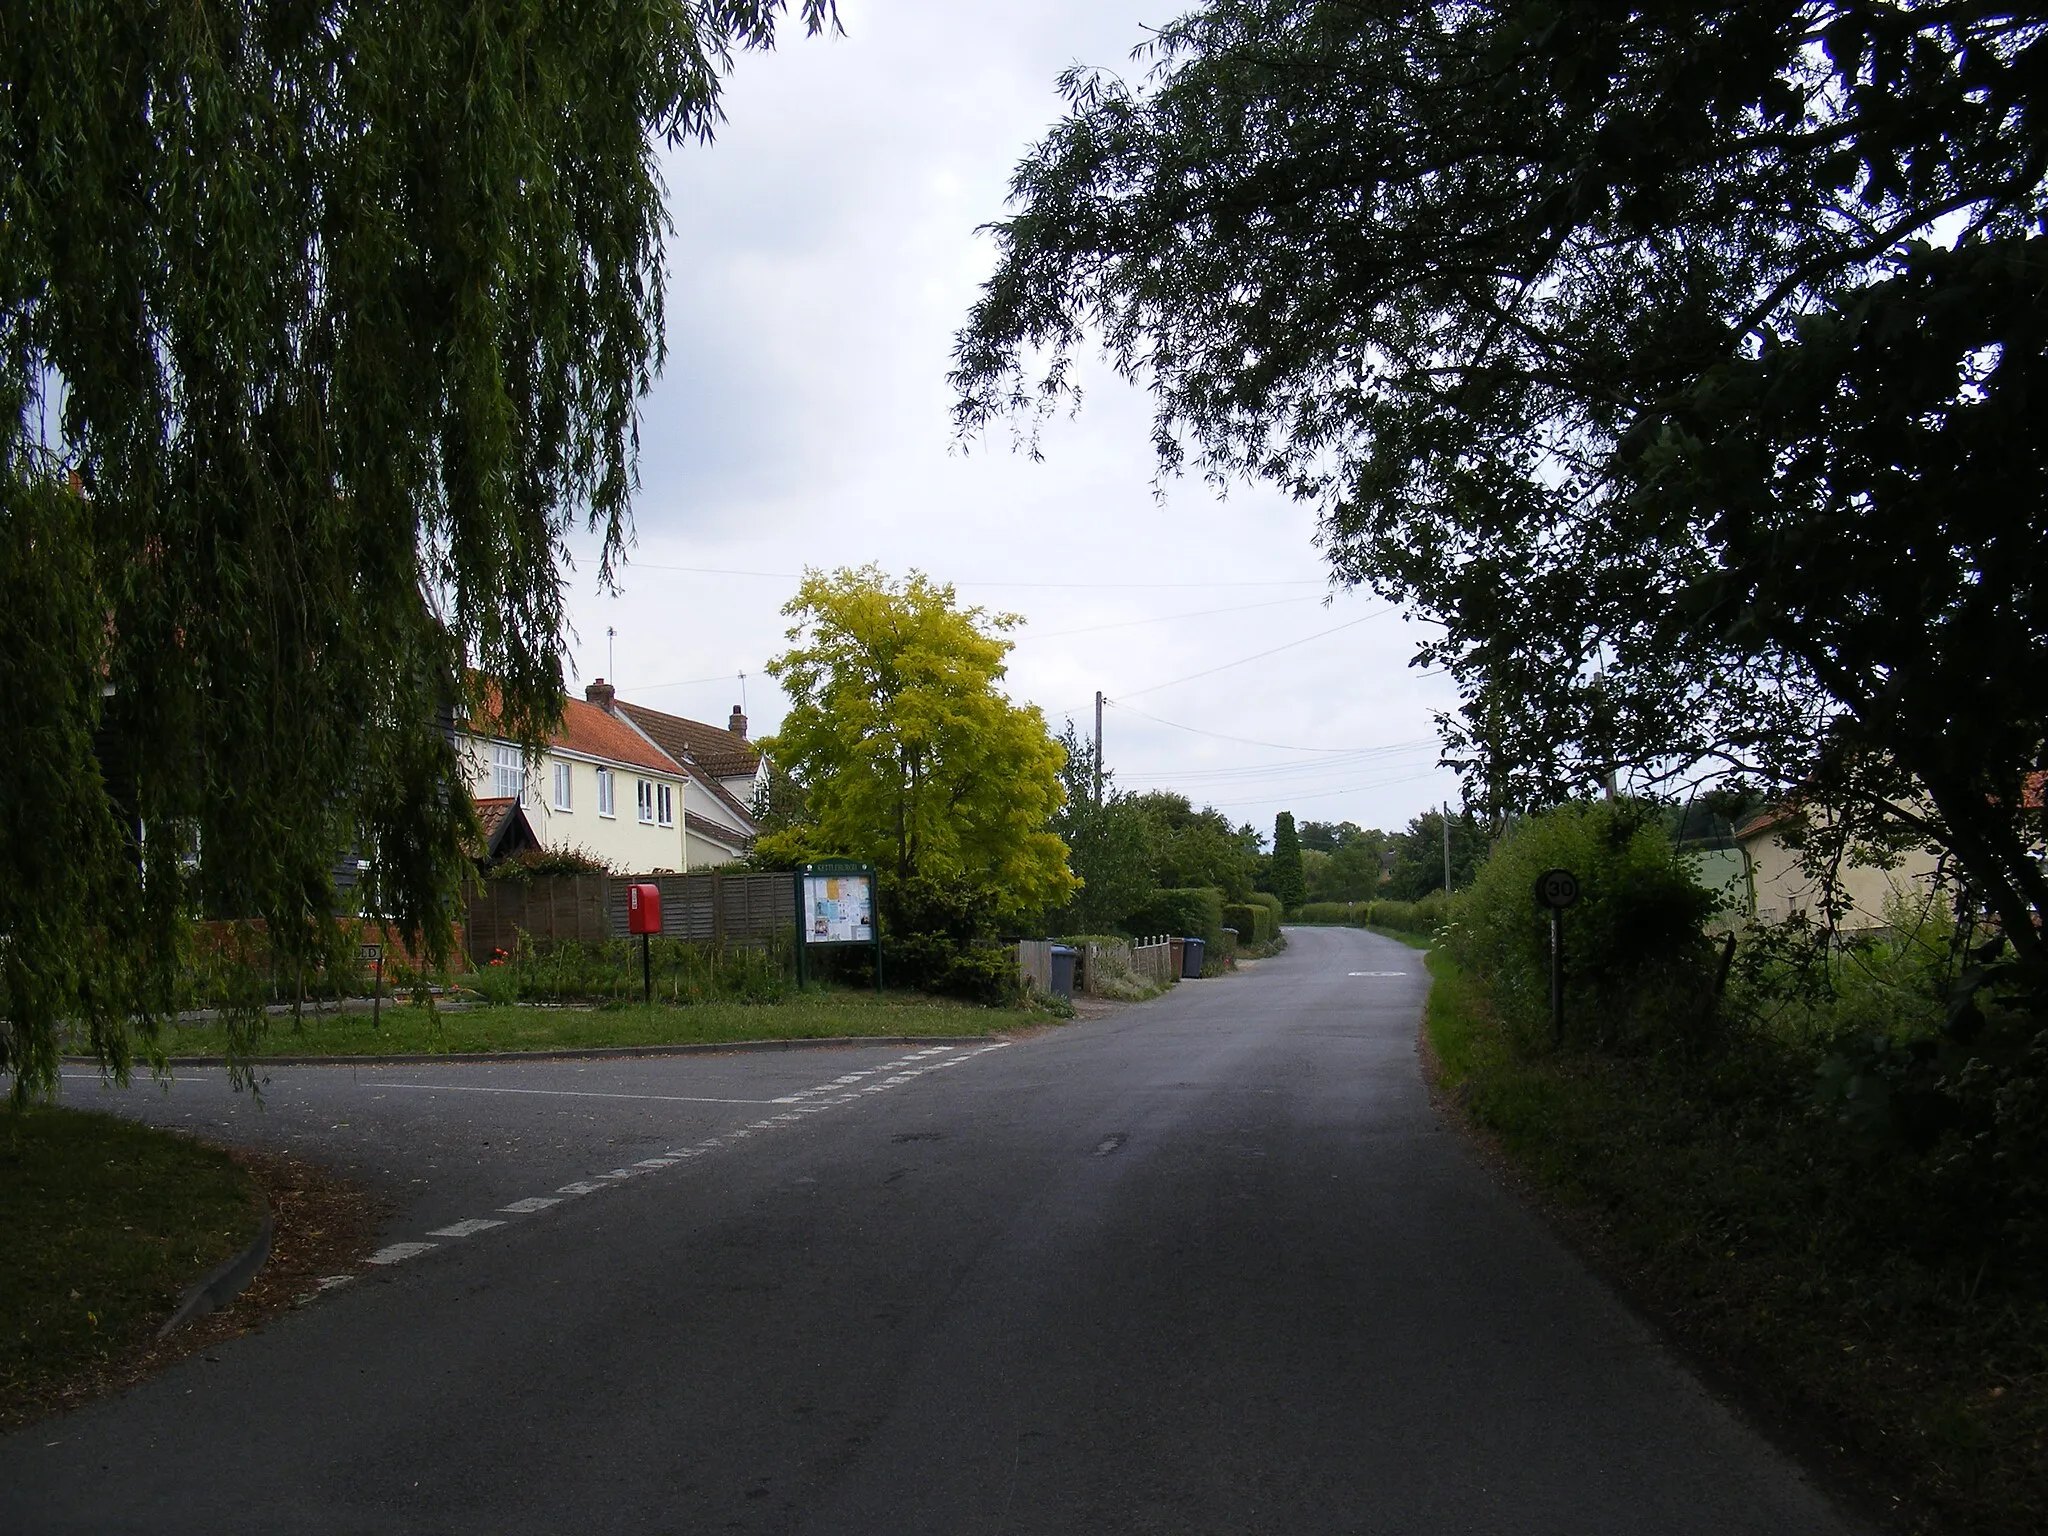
(711,747)
(587,729)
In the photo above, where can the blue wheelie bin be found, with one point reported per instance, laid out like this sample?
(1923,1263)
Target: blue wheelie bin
(1191,959)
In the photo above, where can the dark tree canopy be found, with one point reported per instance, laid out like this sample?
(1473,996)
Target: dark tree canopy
(322,326)
(1685,362)
(1285,877)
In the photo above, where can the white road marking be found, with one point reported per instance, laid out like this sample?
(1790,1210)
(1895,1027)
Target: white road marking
(902,1070)
(398,1253)
(468,1228)
(1379,973)
(575,1093)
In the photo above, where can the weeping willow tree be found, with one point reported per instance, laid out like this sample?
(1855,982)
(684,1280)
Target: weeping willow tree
(322,327)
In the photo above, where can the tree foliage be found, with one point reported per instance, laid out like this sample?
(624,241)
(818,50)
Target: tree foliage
(1286,878)
(1683,362)
(906,750)
(1419,855)
(321,328)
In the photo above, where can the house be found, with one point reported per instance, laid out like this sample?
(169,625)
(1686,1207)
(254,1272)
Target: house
(726,771)
(607,787)
(1781,889)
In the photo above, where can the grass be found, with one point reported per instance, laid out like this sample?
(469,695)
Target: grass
(527,1027)
(1716,1199)
(106,1223)
(1412,940)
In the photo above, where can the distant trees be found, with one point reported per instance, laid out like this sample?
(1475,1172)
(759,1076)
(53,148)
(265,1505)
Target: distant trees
(1342,861)
(906,752)
(1419,855)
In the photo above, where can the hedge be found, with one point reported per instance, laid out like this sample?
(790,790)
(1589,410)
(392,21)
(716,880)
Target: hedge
(1255,923)
(1422,918)
(1194,912)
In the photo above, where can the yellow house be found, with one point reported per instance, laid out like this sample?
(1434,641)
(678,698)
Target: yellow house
(605,787)
(1780,889)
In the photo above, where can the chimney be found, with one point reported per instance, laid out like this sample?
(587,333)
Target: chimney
(737,724)
(601,693)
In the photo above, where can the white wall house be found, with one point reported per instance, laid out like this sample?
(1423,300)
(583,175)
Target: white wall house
(607,787)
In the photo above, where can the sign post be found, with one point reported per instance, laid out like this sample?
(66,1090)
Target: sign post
(1557,889)
(369,953)
(835,909)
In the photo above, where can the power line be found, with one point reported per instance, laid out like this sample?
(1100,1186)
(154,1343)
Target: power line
(1166,618)
(1258,655)
(1277,746)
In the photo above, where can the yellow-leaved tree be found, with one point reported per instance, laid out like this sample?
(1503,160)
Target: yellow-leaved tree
(908,753)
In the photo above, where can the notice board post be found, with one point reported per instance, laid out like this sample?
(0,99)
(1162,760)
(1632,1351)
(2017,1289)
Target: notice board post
(835,909)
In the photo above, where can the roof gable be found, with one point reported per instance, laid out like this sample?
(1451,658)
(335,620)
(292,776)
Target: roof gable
(711,747)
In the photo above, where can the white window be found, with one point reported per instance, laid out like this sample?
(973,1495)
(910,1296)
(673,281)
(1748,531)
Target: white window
(508,773)
(647,801)
(664,805)
(564,787)
(607,793)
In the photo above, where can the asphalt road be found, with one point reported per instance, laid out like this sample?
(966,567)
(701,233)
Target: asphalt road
(1209,1265)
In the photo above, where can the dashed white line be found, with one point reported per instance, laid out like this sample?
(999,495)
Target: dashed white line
(901,1071)
(469,1228)
(398,1253)
(573,1093)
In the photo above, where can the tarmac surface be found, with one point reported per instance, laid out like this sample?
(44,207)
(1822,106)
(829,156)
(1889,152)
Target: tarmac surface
(1211,1264)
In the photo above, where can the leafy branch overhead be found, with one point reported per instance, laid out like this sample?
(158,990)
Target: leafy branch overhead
(1682,363)
(321,328)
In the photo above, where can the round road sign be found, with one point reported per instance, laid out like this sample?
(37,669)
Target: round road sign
(1557,888)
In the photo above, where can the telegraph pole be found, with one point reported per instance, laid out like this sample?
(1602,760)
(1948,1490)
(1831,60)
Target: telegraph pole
(1098,749)
(1447,850)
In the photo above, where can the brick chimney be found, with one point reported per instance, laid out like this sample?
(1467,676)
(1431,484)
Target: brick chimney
(601,693)
(737,724)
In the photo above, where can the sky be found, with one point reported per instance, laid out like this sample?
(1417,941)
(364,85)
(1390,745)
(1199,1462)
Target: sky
(824,252)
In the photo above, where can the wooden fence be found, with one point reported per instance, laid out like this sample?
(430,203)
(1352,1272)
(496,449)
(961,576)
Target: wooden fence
(748,910)
(1157,959)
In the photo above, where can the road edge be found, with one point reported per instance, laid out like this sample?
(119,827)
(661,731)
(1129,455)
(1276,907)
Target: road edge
(600,1052)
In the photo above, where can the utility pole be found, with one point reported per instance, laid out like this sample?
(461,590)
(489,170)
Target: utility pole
(1098,749)
(1447,850)
(611,657)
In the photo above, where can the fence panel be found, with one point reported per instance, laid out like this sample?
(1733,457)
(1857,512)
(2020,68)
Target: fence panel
(1153,959)
(753,911)
(1034,963)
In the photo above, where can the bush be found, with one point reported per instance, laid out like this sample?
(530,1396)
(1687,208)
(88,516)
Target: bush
(577,971)
(937,937)
(545,864)
(1254,924)
(1192,912)
(1639,967)
(1422,918)
(1218,959)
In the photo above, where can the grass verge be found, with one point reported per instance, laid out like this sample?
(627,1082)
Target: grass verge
(1703,1199)
(106,1222)
(407,1029)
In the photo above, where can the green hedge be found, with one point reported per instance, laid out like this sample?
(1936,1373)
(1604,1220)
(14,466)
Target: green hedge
(1639,965)
(1254,923)
(1422,918)
(1191,912)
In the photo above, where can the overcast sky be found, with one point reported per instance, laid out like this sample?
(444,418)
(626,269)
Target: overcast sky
(824,253)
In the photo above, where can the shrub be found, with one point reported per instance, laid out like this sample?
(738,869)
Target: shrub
(1638,964)
(1422,918)
(1254,924)
(1217,959)
(545,863)
(1188,912)
(574,970)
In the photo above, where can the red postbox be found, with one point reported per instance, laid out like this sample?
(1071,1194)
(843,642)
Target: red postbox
(643,908)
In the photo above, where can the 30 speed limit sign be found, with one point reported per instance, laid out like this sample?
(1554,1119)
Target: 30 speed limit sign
(1557,888)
